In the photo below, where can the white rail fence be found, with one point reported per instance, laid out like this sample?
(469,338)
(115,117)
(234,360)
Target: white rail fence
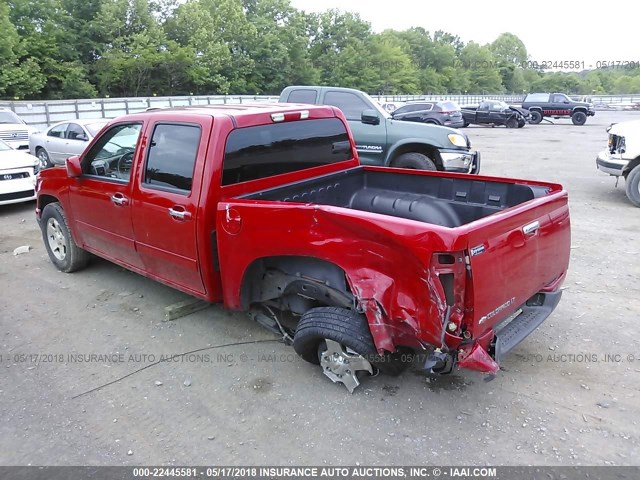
(44,113)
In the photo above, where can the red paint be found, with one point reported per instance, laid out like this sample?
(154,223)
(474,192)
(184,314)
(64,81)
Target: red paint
(391,264)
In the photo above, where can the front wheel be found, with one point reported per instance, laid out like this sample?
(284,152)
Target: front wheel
(512,123)
(536,117)
(521,123)
(43,157)
(579,118)
(62,250)
(415,161)
(633,186)
(337,339)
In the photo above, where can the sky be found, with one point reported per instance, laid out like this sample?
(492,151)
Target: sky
(559,30)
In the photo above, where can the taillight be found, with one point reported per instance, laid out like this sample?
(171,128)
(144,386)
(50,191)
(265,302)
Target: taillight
(450,270)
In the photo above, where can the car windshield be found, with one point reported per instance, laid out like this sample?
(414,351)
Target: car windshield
(94,128)
(4,146)
(9,117)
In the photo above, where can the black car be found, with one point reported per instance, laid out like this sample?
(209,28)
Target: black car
(495,112)
(435,113)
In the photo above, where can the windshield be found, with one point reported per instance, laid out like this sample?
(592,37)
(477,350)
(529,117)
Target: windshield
(94,128)
(4,146)
(9,117)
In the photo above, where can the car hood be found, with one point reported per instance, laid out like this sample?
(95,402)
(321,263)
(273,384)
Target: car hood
(16,159)
(398,130)
(626,129)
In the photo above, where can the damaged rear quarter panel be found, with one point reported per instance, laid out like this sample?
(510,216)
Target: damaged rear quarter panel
(385,259)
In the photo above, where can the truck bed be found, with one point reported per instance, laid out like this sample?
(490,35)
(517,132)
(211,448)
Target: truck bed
(437,200)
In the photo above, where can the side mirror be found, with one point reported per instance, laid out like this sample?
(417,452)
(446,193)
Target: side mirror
(370,117)
(83,138)
(74,168)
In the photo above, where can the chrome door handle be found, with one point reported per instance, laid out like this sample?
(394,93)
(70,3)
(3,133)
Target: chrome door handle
(119,200)
(179,214)
(531,228)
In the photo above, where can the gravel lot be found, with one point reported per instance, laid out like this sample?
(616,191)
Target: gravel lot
(556,402)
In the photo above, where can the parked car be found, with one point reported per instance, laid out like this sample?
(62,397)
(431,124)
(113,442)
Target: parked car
(63,140)
(622,157)
(267,209)
(382,140)
(434,113)
(495,112)
(557,105)
(17,175)
(14,131)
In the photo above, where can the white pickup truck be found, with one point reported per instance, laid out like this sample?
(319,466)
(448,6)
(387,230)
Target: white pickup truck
(622,157)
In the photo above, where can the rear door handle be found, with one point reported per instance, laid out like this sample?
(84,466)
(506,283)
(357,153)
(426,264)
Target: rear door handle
(119,200)
(179,213)
(531,228)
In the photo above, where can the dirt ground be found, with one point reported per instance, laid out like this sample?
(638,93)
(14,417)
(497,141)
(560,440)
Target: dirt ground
(559,400)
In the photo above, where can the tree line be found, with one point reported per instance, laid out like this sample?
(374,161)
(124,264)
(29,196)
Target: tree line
(57,49)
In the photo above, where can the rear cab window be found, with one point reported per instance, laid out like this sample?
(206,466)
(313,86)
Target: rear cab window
(303,95)
(262,151)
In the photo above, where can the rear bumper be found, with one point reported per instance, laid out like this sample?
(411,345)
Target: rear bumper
(460,161)
(611,164)
(532,316)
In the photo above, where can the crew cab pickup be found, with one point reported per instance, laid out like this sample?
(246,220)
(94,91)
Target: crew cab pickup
(383,140)
(267,209)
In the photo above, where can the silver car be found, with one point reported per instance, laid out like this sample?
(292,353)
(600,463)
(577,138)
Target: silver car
(63,140)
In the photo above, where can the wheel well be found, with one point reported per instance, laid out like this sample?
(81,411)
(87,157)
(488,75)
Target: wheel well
(630,166)
(296,283)
(44,200)
(580,109)
(429,150)
(535,109)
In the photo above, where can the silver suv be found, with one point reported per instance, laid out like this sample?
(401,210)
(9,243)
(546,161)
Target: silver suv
(14,131)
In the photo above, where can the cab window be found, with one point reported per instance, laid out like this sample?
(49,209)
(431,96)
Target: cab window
(172,157)
(111,157)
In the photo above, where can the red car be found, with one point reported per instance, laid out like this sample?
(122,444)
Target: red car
(266,209)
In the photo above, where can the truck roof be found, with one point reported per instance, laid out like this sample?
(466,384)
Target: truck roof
(240,109)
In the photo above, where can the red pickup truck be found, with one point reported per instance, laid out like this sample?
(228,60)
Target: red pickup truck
(266,209)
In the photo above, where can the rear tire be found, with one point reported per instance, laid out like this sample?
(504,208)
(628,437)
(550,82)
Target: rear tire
(579,118)
(536,117)
(62,250)
(415,161)
(347,327)
(633,186)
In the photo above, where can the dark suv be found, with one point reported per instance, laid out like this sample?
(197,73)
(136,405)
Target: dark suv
(435,113)
(557,105)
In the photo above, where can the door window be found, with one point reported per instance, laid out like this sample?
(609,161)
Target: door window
(112,155)
(302,96)
(75,132)
(351,105)
(172,157)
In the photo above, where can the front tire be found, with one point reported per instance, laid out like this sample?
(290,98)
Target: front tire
(521,123)
(62,250)
(633,186)
(512,123)
(536,117)
(579,118)
(415,161)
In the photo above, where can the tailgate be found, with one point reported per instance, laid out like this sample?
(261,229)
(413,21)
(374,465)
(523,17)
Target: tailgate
(515,254)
